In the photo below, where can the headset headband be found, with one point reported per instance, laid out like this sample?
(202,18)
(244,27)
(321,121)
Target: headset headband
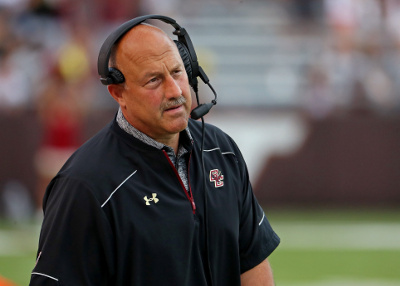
(105,50)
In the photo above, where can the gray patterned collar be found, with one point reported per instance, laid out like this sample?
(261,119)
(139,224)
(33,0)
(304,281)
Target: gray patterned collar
(128,128)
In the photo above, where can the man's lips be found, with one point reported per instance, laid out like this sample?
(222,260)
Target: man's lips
(173,107)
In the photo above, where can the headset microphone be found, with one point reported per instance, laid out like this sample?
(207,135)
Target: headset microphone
(202,109)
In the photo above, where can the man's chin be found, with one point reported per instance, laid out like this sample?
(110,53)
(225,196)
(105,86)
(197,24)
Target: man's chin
(178,126)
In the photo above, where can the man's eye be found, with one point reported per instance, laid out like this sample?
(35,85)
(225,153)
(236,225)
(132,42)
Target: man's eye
(177,72)
(152,80)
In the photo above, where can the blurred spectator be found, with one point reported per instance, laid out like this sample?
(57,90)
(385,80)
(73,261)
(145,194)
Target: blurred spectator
(61,119)
(62,106)
(378,84)
(39,23)
(358,65)
(16,202)
(306,15)
(318,99)
(14,83)
(340,62)
(13,5)
(163,7)
(348,17)
(117,11)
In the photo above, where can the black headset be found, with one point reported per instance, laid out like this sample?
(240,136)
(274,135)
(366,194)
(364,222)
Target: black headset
(110,75)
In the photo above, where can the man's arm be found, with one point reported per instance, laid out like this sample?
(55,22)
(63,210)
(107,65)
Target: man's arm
(76,245)
(261,275)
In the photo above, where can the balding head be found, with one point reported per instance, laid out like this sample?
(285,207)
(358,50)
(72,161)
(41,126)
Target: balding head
(141,36)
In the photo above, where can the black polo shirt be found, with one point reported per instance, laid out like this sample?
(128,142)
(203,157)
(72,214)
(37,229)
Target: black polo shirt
(117,213)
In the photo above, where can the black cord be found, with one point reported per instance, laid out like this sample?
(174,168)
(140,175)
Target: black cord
(207,243)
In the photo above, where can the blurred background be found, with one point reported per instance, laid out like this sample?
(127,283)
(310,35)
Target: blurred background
(310,91)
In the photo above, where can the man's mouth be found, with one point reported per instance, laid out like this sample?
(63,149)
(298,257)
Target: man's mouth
(173,107)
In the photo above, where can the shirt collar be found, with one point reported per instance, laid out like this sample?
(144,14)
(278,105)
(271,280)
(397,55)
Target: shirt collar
(128,128)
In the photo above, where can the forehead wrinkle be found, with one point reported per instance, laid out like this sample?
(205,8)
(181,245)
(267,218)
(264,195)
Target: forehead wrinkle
(155,57)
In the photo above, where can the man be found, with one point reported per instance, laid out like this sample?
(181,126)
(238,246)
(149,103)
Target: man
(128,208)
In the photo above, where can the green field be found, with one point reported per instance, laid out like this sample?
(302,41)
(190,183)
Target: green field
(318,248)
(337,247)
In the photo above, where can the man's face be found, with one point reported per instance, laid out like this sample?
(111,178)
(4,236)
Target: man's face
(156,97)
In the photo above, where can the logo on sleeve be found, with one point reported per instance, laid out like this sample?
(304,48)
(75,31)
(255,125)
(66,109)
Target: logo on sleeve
(153,199)
(217,177)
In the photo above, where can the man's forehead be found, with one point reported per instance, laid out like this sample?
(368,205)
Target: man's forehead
(144,33)
(145,39)
(149,52)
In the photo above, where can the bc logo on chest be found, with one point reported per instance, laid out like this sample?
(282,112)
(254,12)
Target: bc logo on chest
(217,177)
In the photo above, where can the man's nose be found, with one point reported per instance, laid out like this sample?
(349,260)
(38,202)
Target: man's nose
(172,88)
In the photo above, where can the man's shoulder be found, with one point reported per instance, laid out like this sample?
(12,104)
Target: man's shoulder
(97,164)
(195,128)
(97,155)
(214,136)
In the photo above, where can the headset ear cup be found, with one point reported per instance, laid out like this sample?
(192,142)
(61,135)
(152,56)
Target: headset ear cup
(116,76)
(185,55)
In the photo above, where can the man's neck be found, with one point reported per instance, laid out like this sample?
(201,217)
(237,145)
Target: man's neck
(172,142)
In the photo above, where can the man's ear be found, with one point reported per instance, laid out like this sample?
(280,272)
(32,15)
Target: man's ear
(116,91)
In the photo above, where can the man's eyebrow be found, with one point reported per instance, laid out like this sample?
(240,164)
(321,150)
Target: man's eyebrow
(156,73)
(148,75)
(177,66)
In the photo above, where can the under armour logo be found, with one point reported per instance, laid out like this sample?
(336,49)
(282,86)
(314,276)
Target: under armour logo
(217,177)
(153,199)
